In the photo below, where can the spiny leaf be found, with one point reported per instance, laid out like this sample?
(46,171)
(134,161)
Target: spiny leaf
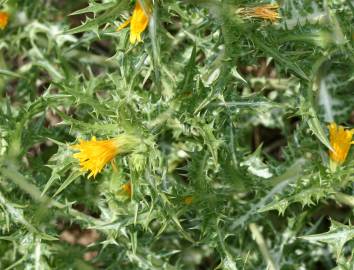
(337,236)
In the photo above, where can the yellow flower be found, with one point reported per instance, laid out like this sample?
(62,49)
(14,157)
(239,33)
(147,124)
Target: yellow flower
(340,140)
(266,12)
(138,23)
(4,19)
(188,200)
(94,155)
(127,188)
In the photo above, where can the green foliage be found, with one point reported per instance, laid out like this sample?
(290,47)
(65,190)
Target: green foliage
(232,113)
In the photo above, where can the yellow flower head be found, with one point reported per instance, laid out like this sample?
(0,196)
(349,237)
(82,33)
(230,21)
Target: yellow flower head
(340,140)
(4,19)
(94,155)
(188,200)
(127,188)
(138,23)
(266,12)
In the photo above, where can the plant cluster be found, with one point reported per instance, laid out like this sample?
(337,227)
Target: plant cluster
(176,134)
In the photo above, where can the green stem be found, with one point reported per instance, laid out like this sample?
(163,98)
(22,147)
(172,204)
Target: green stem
(262,246)
(344,199)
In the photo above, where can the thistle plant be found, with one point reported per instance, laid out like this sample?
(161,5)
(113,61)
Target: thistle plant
(176,134)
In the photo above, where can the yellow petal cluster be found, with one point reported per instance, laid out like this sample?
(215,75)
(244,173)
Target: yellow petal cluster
(188,200)
(265,12)
(341,140)
(94,155)
(127,188)
(138,23)
(4,19)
